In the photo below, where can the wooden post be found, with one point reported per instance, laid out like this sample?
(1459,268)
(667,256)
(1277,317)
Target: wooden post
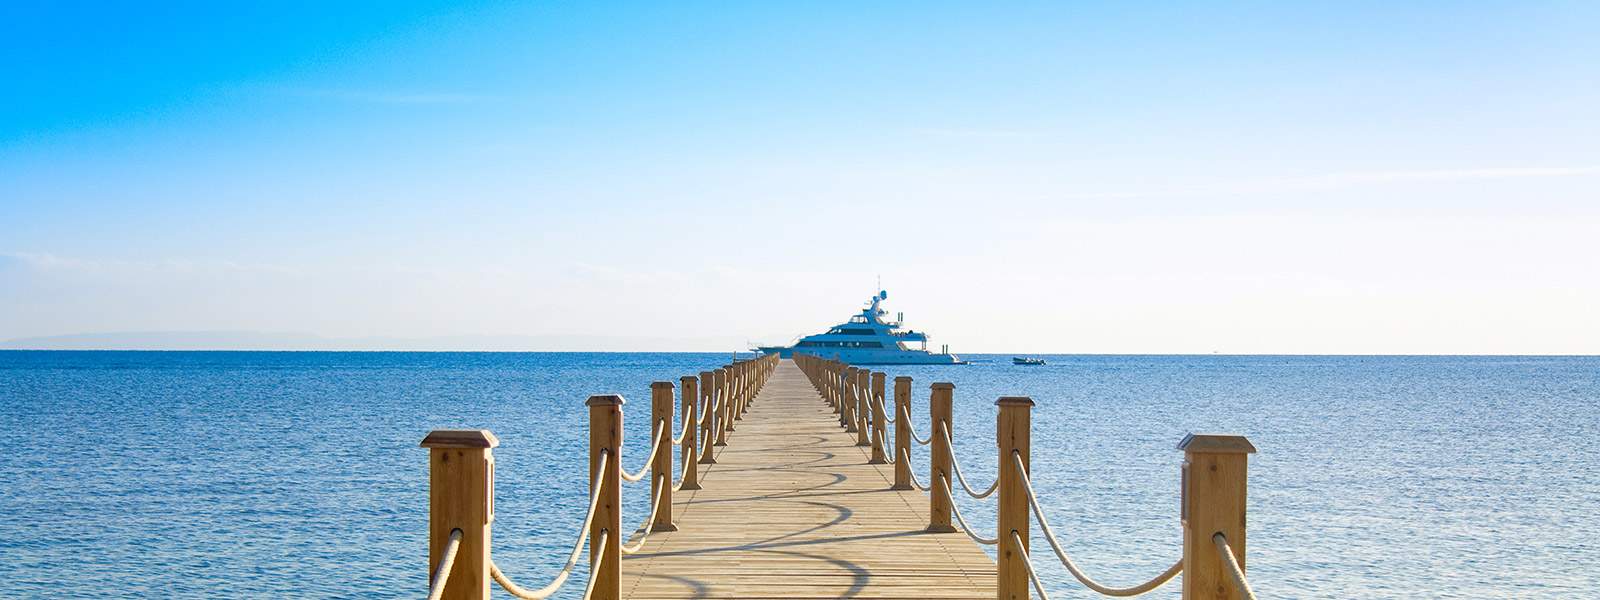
(880,433)
(1213,501)
(724,406)
(661,466)
(833,378)
(863,405)
(939,415)
(708,423)
(902,433)
(461,496)
(847,416)
(690,393)
(1012,436)
(605,437)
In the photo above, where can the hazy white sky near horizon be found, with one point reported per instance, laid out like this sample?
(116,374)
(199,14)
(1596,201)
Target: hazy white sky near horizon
(1359,178)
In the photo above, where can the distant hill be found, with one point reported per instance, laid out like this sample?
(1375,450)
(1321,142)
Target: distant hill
(255,340)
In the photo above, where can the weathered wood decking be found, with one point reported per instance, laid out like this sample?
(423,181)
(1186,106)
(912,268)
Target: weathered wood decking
(791,509)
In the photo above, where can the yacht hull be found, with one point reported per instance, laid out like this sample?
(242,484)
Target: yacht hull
(868,357)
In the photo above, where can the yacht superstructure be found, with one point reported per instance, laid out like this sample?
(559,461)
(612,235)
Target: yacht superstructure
(868,339)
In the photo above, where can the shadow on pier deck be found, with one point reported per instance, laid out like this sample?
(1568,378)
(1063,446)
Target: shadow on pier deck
(791,485)
(791,509)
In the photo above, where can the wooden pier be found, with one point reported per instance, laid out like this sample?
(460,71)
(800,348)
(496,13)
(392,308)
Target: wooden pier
(795,485)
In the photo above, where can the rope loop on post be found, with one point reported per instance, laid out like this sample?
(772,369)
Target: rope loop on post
(1050,536)
(655,446)
(955,465)
(688,419)
(577,547)
(1237,572)
(447,564)
(913,427)
(650,521)
(906,456)
(965,528)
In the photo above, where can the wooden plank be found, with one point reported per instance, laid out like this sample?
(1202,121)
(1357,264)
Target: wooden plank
(792,509)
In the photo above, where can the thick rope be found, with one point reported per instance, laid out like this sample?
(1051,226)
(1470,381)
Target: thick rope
(965,528)
(687,419)
(955,465)
(655,447)
(1239,581)
(906,456)
(447,563)
(650,521)
(1050,536)
(577,547)
(599,560)
(1027,565)
(913,427)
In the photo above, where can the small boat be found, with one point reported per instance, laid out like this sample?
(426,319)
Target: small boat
(1018,360)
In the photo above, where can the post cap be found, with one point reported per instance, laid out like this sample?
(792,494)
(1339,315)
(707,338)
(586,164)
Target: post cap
(460,438)
(687,379)
(943,385)
(901,378)
(1216,443)
(852,369)
(705,373)
(1014,401)
(876,375)
(660,384)
(605,400)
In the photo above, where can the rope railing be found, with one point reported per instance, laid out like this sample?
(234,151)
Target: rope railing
(447,563)
(650,521)
(461,489)
(1066,561)
(913,427)
(906,456)
(1212,489)
(688,423)
(955,465)
(655,447)
(965,528)
(1235,571)
(577,547)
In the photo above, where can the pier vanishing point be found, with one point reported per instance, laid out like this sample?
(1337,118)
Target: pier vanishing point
(774,478)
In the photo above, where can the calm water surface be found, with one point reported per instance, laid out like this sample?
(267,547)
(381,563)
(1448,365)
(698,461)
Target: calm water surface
(244,474)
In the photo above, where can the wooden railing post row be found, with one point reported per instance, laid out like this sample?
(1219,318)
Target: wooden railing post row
(836,386)
(880,433)
(661,465)
(1012,435)
(690,393)
(841,389)
(902,433)
(724,406)
(736,387)
(605,437)
(939,416)
(863,407)
(461,496)
(1213,501)
(847,384)
(708,423)
(749,384)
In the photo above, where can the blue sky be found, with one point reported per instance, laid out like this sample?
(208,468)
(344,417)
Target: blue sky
(1246,177)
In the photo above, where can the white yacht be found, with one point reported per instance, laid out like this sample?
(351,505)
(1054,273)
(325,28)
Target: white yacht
(868,339)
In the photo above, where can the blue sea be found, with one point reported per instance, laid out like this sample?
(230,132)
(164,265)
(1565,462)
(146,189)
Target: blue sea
(297,474)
